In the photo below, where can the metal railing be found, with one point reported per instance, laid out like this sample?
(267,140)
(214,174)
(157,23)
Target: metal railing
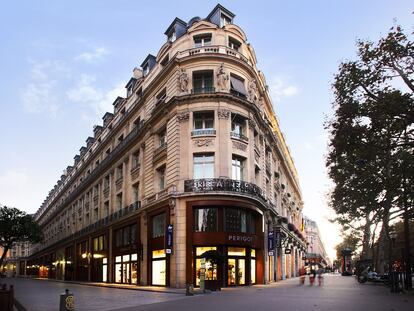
(202,132)
(238,136)
(203,90)
(223,184)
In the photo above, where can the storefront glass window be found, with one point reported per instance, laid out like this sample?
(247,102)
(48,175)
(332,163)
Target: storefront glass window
(211,270)
(118,273)
(159,267)
(236,251)
(205,219)
(239,220)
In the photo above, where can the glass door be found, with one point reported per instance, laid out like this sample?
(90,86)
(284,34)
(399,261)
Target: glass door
(236,271)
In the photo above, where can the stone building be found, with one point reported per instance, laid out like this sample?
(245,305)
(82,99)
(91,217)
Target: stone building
(191,160)
(316,253)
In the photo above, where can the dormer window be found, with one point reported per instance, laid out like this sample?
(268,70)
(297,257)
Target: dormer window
(202,40)
(129,90)
(224,20)
(234,44)
(172,37)
(145,70)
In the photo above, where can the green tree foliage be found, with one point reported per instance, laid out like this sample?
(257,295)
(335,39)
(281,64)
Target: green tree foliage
(16,226)
(371,154)
(350,241)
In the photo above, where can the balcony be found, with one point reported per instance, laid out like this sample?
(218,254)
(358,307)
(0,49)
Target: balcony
(223,184)
(214,49)
(238,136)
(203,90)
(204,132)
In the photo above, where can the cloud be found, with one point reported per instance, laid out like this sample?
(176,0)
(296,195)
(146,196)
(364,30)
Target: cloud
(279,89)
(96,55)
(40,94)
(99,101)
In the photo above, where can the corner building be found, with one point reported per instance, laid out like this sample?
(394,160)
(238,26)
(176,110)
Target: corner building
(192,159)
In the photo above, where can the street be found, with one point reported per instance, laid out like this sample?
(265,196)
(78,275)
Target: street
(338,293)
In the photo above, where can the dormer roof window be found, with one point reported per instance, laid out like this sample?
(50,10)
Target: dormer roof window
(176,29)
(130,86)
(221,16)
(107,118)
(117,103)
(148,64)
(224,20)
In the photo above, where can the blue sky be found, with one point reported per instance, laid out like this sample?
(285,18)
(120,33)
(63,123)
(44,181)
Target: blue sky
(63,63)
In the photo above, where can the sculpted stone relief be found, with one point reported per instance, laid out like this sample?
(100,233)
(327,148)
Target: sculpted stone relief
(222,79)
(252,89)
(203,142)
(183,80)
(223,113)
(183,116)
(239,145)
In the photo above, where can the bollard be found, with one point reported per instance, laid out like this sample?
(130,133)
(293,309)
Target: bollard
(67,302)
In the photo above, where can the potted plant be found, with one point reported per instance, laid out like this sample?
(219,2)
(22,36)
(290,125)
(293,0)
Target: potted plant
(213,259)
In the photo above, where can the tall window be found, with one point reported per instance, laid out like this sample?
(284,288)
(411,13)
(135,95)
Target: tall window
(237,86)
(234,44)
(135,192)
(158,225)
(202,40)
(203,120)
(119,201)
(162,138)
(237,126)
(203,82)
(119,172)
(237,167)
(205,219)
(135,160)
(161,177)
(203,166)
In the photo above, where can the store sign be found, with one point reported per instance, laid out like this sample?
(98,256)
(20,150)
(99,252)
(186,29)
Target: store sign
(288,251)
(169,240)
(240,238)
(270,242)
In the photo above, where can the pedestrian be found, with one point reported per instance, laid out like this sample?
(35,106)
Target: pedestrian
(320,276)
(312,276)
(302,275)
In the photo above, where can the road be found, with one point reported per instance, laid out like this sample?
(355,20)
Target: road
(337,294)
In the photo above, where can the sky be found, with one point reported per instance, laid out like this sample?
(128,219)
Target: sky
(63,63)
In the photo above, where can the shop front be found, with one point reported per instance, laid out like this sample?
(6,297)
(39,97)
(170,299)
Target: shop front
(126,259)
(158,259)
(230,232)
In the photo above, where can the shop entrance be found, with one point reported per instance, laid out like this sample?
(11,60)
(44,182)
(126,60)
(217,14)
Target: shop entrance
(236,271)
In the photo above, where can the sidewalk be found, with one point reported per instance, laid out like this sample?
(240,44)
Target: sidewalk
(157,289)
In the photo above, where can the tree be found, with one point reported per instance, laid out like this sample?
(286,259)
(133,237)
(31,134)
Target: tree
(17,226)
(371,149)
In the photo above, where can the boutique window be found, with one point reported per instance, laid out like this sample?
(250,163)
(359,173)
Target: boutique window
(239,220)
(99,243)
(211,269)
(158,226)
(159,267)
(202,40)
(203,82)
(205,219)
(126,269)
(203,166)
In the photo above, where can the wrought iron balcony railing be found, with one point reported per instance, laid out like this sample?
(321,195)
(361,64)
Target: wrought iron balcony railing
(203,90)
(223,184)
(203,132)
(238,136)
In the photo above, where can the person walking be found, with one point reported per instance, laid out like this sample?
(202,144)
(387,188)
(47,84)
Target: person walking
(302,275)
(312,276)
(320,276)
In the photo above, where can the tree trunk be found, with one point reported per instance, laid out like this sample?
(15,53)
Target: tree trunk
(5,250)
(366,239)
